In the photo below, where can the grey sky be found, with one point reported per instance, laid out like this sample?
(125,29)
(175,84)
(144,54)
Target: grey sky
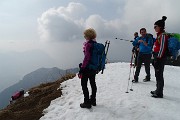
(54,28)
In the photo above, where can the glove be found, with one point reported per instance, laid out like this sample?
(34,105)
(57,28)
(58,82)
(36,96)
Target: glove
(80,68)
(79,76)
(80,64)
(80,71)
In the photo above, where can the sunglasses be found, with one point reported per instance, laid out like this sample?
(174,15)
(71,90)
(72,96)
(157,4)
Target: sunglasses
(155,26)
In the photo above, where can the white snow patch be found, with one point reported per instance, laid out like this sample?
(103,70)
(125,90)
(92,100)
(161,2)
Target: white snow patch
(112,101)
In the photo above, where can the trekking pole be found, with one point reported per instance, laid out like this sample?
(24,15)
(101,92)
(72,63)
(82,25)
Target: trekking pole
(124,39)
(134,56)
(103,54)
(129,73)
(106,54)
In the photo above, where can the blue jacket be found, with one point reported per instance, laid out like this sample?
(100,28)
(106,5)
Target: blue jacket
(144,49)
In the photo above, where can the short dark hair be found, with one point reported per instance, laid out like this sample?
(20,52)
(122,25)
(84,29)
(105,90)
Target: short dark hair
(136,33)
(142,29)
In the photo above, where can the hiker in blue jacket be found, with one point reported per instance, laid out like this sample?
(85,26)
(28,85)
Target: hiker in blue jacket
(145,43)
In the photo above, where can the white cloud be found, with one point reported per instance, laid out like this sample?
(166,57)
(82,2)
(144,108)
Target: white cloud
(66,24)
(138,13)
(105,29)
(61,24)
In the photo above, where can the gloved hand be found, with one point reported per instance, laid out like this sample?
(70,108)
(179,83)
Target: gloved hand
(80,68)
(79,76)
(80,71)
(80,64)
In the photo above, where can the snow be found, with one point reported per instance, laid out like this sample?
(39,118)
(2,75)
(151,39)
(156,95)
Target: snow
(26,94)
(112,101)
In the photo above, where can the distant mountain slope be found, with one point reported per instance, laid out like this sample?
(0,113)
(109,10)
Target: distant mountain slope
(38,98)
(16,64)
(42,75)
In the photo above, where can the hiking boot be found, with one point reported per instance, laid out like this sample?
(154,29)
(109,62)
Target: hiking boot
(146,79)
(85,105)
(157,95)
(93,102)
(153,92)
(135,81)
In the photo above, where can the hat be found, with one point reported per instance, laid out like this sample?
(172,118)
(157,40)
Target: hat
(161,23)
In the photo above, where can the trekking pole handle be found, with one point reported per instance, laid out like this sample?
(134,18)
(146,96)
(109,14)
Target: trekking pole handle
(106,54)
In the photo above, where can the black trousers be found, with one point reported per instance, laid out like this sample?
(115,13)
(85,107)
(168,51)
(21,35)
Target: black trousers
(89,74)
(136,58)
(159,69)
(143,58)
(136,52)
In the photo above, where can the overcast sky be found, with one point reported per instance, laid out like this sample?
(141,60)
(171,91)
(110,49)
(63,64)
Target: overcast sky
(55,27)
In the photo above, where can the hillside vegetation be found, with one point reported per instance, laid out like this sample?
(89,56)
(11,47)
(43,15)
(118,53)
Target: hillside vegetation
(32,106)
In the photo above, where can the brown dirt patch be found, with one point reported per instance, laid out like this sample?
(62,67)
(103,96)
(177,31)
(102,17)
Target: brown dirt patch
(31,107)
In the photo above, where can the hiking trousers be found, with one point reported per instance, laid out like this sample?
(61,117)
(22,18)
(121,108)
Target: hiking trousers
(90,74)
(159,69)
(136,58)
(143,58)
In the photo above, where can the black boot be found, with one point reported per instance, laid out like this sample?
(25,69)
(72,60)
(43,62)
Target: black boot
(93,101)
(153,92)
(135,80)
(157,95)
(146,79)
(85,105)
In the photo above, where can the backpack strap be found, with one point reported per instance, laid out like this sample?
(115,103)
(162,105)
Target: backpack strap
(165,33)
(92,46)
(158,37)
(149,36)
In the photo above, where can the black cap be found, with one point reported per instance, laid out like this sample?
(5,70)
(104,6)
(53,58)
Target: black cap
(161,23)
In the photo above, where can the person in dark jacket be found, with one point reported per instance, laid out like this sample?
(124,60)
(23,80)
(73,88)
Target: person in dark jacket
(159,54)
(135,49)
(145,50)
(85,73)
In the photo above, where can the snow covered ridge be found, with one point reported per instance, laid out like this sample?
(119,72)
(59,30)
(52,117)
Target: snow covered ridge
(112,101)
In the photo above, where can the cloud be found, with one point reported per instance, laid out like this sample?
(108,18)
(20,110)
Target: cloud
(65,25)
(60,24)
(68,23)
(106,29)
(138,13)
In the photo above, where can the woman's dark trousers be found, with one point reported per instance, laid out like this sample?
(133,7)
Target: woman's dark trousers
(91,76)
